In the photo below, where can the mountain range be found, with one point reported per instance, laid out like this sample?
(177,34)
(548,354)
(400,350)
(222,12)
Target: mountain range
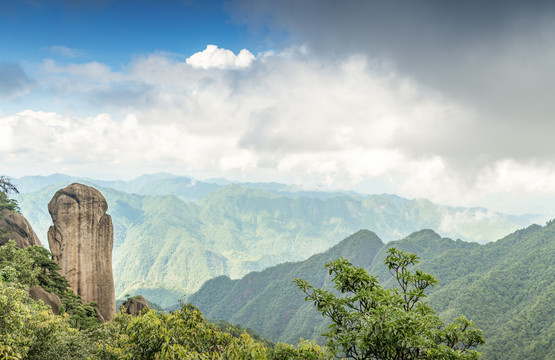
(173,233)
(506,287)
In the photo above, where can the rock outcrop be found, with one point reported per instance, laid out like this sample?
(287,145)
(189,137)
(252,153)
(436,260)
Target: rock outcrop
(135,305)
(50,299)
(15,226)
(81,241)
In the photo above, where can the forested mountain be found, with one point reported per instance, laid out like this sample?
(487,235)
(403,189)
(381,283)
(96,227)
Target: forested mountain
(506,287)
(167,245)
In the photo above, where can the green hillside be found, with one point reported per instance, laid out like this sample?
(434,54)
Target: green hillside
(166,247)
(505,287)
(268,300)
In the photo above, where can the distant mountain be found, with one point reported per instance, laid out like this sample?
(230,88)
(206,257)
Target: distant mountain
(167,245)
(506,287)
(29,184)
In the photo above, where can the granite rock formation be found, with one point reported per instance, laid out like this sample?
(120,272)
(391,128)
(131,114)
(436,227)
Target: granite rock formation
(50,299)
(81,241)
(135,305)
(15,227)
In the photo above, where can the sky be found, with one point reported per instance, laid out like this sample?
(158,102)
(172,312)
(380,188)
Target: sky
(450,101)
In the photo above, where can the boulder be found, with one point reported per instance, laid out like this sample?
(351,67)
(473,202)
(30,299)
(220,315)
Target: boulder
(135,305)
(50,299)
(81,242)
(16,227)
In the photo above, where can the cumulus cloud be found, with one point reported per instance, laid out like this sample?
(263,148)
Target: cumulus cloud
(214,57)
(13,81)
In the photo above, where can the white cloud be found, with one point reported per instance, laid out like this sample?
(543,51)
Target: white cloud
(287,116)
(510,175)
(214,57)
(32,136)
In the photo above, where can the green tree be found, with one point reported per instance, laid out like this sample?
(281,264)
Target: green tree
(370,322)
(34,266)
(182,334)
(7,203)
(6,185)
(306,350)
(186,334)
(29,329)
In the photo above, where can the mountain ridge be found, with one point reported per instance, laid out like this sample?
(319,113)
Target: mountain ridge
(233,229)
(505,287)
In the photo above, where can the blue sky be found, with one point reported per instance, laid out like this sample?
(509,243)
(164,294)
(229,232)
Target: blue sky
(451,101)
(112,31)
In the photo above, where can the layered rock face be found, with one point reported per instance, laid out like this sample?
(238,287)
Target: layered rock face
(17,228)
(81,241)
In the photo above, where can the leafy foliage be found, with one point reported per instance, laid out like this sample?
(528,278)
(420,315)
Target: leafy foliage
(7,203)
(29,329)
(185,334)
(305,350)
(370,322)
(34,266)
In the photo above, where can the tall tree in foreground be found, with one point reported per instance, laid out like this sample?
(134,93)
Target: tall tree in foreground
(370,322)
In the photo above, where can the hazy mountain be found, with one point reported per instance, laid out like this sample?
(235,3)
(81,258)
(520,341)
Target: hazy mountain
(507,287)
(166,246)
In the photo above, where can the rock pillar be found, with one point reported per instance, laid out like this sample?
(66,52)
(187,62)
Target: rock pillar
(81,241)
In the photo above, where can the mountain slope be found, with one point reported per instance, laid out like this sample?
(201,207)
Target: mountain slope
(505,287)
(269,301)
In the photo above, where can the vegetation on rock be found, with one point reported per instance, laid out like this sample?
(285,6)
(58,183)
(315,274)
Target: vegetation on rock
(7,203)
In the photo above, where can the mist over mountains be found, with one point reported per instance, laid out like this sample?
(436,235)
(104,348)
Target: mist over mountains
(174,233)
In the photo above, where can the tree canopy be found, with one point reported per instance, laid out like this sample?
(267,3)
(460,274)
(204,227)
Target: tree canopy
(370,322)
(29,329)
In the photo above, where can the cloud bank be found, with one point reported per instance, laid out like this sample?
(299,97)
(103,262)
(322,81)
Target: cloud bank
(291,116)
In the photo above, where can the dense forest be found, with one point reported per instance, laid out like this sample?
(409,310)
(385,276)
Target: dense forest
(506,287)
(30,330)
